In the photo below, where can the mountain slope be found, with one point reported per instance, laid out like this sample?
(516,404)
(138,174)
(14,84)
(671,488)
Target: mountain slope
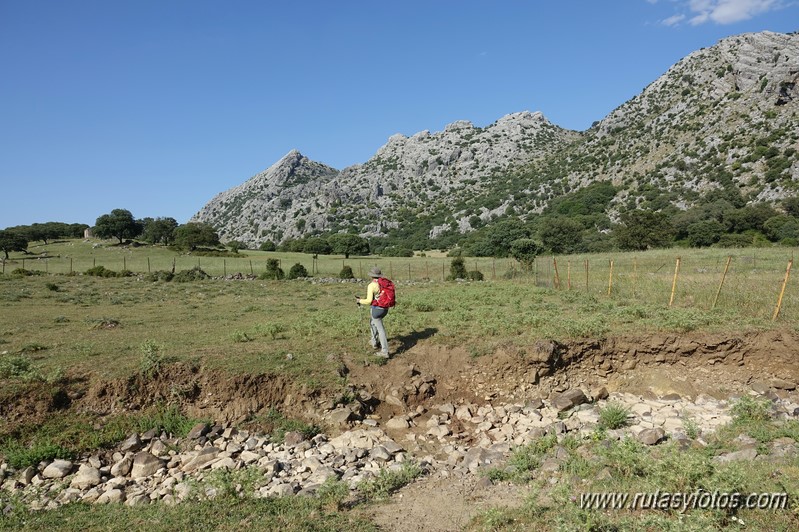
(723,118)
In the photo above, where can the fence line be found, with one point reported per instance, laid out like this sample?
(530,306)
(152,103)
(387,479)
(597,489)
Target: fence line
(746,278)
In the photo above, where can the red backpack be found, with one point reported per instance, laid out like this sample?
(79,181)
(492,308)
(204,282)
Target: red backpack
(386,297)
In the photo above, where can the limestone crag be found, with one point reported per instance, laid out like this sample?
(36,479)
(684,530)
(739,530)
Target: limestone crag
(296,195)
(722,118)
(696,127)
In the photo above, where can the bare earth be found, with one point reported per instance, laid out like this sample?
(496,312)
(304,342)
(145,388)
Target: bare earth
(722,366)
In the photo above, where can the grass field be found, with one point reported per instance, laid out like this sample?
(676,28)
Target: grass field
(104,325)
(54,323)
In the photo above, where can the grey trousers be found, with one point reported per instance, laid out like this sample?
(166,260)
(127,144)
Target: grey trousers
(379,338)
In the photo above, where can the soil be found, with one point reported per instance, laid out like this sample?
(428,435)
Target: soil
(651,366)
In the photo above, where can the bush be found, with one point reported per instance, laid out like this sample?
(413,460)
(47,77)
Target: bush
(268,246)
(159,275)
(186,276)
(457,269)
(21,272)
(455,252)
(474,275)
(396,251)
(101,271)
(346,273)
(734,241)
(297,271)
(273,270)
(235,246)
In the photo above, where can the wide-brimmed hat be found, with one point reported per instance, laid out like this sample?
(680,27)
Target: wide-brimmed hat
(375,272)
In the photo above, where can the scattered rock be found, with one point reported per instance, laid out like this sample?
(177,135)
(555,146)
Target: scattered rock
(145,465)
(198,431)
(58,469)
(569,399)
(781,384)
(651,436)
(86,477)
(397,423)
(744,454)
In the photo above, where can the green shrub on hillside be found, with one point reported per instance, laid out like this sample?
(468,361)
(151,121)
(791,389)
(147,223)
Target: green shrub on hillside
(102,271)
(186,276)
(273,270)
(457,269)
(297,271)
(474,275)
(159,275)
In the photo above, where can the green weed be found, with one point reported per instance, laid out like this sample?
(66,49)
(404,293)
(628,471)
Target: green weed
(748,410)
(613,416)
(240,337)
(388,481)
(19,366)
(152,359)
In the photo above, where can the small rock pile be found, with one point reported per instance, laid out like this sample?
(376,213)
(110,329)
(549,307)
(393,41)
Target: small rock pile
(150,467)
(447,440)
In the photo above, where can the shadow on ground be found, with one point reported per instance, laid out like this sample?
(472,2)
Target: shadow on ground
(409,340)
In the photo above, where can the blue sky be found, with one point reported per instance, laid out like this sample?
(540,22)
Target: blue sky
(156,106)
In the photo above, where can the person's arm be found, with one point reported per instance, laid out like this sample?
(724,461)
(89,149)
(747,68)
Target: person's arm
(371,292)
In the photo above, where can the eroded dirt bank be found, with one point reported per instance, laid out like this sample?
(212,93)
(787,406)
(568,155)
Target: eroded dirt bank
(451,411)
(651,366)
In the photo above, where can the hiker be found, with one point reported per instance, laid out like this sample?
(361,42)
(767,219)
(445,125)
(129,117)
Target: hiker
(379,297)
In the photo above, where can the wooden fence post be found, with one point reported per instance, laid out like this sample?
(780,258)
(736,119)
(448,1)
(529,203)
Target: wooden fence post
(674,282)
(569,275)
(610,278)
(557,277)
(782,292)
(148,264)
(224,268)
(723,276)
(635,277)
(586,275)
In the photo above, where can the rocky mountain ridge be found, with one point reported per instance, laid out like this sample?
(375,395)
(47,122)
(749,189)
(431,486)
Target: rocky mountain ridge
(722,118)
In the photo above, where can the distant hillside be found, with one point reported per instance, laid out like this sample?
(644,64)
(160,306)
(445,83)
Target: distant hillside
(723,118)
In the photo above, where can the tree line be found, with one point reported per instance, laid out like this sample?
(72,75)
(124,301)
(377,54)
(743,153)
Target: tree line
(576,222)
(119,224)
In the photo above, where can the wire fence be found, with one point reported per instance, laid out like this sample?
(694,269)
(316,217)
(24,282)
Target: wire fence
(751,279)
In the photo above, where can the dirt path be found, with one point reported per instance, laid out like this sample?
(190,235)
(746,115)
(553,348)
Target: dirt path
(442,504)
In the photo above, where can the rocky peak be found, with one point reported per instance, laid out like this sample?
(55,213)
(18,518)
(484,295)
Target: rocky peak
(700,126)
